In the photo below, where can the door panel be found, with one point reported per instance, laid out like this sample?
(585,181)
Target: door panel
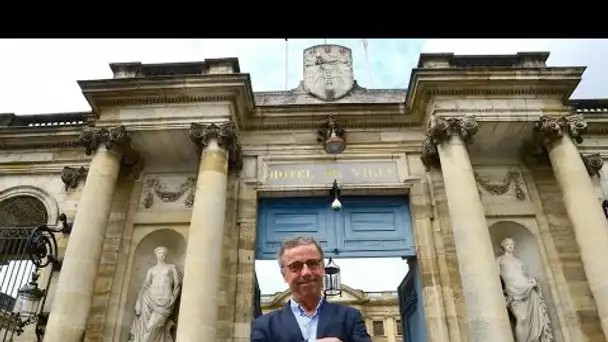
(377,226)
(411,307)
(282,219)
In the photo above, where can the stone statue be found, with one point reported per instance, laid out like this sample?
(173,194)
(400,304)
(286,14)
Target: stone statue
(156,301)
(524,298)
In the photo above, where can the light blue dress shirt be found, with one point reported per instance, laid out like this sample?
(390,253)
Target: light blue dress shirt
(308,324)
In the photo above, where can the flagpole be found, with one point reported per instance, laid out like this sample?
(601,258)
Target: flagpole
(286,62)
(367,66)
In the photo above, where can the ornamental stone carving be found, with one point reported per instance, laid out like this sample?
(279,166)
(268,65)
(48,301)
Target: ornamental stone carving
(156,301)
(440,130)
(551,128)
(511,180)
(524,298)
(116,137)
(133,163)
(226,136)
(593,163)
(93,137)
(155,187)
(71,176)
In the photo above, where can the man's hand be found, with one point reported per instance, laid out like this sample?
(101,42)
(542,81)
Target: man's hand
(329,339)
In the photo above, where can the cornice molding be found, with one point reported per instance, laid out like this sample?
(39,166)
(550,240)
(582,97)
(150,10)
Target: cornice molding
(597,123)
(39,139)
(40,167)
(38,145)
(411,146)
(163,99)
(424,84)
(234,88)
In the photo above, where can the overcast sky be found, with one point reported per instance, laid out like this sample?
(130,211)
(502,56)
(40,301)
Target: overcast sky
(39,76)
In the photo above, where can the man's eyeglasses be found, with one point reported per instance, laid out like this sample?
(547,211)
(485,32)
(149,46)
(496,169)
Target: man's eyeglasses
(312,264)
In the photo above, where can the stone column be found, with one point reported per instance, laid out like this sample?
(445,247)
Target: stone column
(583,207)
(74,294)
(445,146)
(202,267)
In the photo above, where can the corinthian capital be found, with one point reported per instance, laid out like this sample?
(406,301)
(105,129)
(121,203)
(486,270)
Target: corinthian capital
(593,163)
(440,130)
(553,128)
(92,138)
(113,138)
(226,136)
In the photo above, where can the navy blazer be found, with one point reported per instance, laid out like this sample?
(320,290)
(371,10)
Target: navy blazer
(335,320)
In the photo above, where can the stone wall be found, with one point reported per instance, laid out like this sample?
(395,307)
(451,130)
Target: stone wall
(575,314)
(437,253)
(227,295)
(569,260)
(108,264)
(109,318)
(447,259)
(38,174)
(245,273)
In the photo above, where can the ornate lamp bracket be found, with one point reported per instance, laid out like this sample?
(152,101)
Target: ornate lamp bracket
(332,135)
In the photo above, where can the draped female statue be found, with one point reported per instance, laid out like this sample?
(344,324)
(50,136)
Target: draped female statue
(524,298)
(156,301)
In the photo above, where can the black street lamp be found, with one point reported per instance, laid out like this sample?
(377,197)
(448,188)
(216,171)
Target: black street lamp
(41,249)
(331,281)
(29,297)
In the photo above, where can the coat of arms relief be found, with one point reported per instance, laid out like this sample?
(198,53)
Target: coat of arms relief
(328,71)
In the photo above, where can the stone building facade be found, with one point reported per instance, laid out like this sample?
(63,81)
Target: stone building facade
(182,155)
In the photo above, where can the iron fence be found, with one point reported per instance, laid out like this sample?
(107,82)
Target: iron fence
(24,252)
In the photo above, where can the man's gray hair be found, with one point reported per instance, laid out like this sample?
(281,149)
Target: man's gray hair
(295,242)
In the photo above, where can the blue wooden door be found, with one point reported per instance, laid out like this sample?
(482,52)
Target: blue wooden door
(377,226)
(411,308)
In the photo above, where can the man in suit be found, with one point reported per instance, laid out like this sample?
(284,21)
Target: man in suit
(308,317)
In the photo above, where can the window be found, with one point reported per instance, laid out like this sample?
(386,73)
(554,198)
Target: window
(398,327)
(378,328)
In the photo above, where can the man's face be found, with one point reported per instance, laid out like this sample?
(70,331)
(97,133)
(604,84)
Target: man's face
(303,271)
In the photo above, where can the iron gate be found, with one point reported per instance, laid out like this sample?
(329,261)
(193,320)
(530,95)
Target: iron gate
(24,252)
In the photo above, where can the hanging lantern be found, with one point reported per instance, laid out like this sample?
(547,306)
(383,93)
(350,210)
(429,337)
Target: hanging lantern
(29,297)
(331,281)
(334,193)
(332,136)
